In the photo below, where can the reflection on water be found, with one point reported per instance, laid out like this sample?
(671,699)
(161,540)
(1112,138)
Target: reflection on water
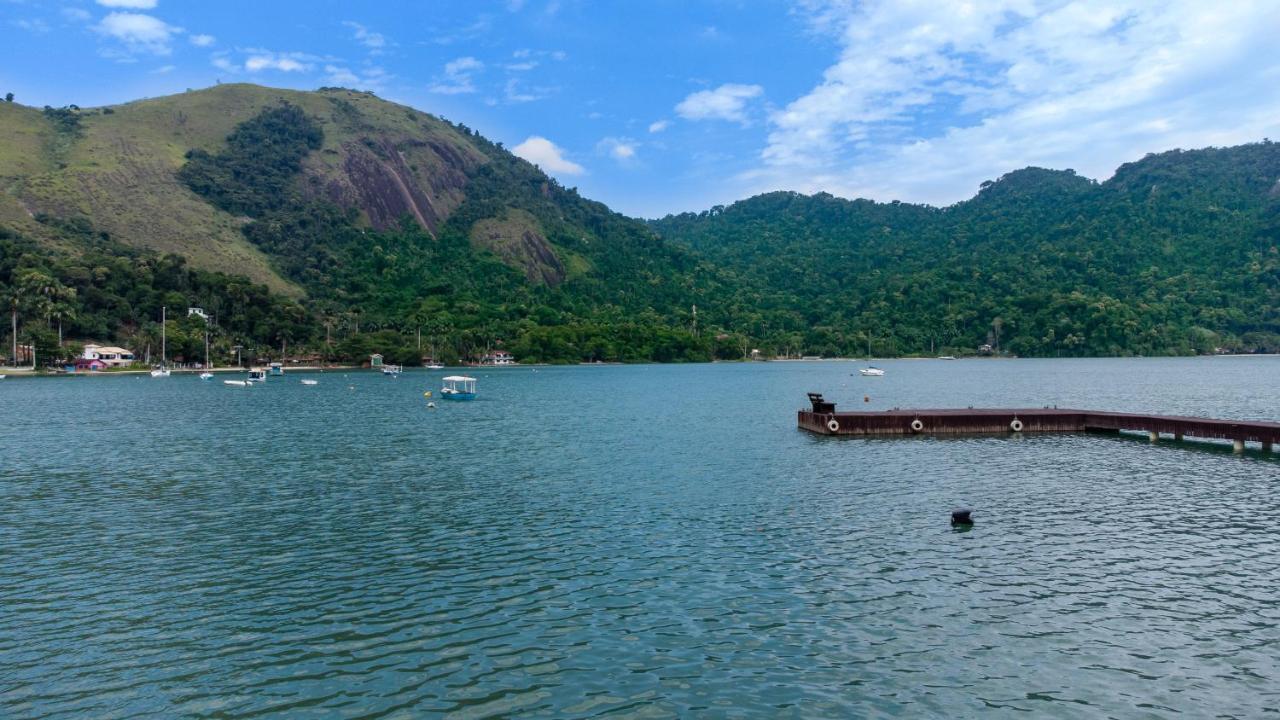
(634,542)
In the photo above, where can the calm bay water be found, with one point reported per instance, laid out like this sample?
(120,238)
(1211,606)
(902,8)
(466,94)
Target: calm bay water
(643,541)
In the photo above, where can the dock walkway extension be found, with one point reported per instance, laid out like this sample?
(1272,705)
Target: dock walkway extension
(823,419)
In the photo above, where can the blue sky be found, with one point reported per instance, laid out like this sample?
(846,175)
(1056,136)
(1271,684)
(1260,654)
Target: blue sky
(665,106)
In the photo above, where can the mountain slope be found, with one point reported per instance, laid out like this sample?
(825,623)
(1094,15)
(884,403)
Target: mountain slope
(374,214)
(119,167)
(1176,253)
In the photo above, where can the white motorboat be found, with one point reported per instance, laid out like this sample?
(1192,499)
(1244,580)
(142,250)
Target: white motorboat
(160,372)
(871,371)
(392,369)
(310,382)
(236,383)
(257,375)
(206,376)
(434,366)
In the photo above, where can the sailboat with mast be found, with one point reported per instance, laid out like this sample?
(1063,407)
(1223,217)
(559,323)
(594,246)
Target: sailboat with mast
(206,375)
(163,370)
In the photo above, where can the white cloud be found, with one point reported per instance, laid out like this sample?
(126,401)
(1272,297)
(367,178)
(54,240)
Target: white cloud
(367,37)
(139,32)
(621,149)
(458,77)
(284,62)
(164,69)
(516,92)
(76,14)
(727,102)
(128,4)
(370,77)
(928,100)
(659,125)
(547,155)
(35,25)
(202,40)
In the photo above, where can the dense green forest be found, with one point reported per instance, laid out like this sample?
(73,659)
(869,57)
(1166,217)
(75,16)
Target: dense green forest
(1175,254)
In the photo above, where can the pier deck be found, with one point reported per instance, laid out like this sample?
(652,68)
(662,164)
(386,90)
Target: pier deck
(824,420)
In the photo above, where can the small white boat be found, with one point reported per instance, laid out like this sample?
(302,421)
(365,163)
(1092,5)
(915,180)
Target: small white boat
(391,369)
(160,372)
(459,387)
(2,377)
(277,369)
(206,376)
(310,382)
(434,366)
(946,357)
(871,371)
(236,383)
(257,375)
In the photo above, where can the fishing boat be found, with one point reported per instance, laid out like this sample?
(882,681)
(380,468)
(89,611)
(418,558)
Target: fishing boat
(257,375)
(392,369)
(275,368)
(163,370)
(459,387)
(871,371)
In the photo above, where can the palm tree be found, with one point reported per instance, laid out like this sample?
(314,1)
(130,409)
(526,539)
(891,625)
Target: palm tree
(13,298)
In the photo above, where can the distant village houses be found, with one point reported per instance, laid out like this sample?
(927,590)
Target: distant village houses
(498,357)
(101,357)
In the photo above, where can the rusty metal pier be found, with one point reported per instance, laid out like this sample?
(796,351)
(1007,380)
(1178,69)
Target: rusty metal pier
(823,419)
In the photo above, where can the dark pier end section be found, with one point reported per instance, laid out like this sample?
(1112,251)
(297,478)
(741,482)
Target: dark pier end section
(823,419)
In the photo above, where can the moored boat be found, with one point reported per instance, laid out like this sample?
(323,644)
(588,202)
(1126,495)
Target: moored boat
(871,371)
(458,387)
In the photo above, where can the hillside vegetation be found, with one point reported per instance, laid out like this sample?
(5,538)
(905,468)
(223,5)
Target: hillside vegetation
(336,224)
(1175,254)
(396,232)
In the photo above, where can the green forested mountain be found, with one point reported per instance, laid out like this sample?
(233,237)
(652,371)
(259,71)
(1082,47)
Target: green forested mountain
(337,224)
(363,226)
(1177,253)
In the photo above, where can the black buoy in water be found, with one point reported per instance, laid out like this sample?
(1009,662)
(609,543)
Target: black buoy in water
(961,516)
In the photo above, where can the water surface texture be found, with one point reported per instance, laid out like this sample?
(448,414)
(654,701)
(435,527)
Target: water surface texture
(643,541)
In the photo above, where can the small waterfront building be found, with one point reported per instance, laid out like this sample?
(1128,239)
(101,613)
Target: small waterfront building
(109,355)
(91,365)
(498,357)
(375,360)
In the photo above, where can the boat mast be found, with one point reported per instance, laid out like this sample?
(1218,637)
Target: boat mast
(163,358)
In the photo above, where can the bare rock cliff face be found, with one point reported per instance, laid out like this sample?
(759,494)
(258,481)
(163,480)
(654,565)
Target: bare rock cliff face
(518,241)
(388,177)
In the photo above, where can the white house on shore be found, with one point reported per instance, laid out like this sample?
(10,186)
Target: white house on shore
(498,357)
(108,355)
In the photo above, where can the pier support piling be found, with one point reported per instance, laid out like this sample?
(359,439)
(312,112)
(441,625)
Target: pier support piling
(1237,445)
(1155,436)
(1177,437)
(1266,446)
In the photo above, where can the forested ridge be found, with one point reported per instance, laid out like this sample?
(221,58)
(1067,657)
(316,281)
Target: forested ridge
(1175,254)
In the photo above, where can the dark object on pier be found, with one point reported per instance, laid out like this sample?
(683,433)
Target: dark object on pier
(961,516)
(996,421)
(821,406)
